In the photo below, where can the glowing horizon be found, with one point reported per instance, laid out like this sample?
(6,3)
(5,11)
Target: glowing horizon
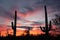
(30,13)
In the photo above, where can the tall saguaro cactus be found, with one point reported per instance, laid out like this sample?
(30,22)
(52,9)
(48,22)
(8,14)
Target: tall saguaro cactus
(47,27)
(14,24)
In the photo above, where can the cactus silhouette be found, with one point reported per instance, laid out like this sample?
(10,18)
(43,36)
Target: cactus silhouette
(14,24)
(47,27)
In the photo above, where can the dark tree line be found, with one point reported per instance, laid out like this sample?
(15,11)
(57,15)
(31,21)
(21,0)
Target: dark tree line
(56,21)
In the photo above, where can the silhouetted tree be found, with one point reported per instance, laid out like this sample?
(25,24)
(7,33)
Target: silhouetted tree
(28,31)
(56,21)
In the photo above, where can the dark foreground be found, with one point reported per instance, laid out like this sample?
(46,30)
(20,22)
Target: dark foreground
(42,37)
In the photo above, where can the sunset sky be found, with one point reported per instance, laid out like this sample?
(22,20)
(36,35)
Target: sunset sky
(30,12)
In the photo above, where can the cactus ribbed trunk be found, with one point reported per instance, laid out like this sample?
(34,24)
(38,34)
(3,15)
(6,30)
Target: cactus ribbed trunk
(15,23)
(46,20)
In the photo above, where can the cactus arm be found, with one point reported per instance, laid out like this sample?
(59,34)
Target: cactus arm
(12,25)
(43,29)
(50,26)
(40,27)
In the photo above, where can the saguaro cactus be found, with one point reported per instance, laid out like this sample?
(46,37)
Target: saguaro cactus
(47,28)
(14,24)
